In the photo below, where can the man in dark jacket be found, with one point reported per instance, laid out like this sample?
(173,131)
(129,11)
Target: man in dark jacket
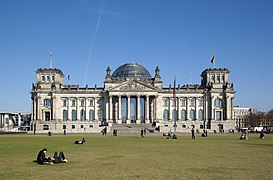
(42,158)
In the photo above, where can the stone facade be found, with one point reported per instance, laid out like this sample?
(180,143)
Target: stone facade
(131,96)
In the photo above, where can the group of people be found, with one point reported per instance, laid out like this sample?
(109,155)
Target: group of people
(42,158)
(170,135)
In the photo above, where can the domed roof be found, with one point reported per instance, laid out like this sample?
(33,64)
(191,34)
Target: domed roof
(131,70)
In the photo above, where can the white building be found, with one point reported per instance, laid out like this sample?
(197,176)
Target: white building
(12,121)
(131,96)
(240,114)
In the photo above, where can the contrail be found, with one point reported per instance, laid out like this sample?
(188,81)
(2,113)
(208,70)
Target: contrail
(93,41)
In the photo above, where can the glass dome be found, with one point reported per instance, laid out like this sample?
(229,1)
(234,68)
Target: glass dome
(131,70)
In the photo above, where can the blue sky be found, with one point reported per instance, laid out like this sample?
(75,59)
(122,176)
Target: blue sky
(178,36)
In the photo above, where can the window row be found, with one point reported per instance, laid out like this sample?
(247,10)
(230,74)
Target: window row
(47,78)
(182,102)
(46,127)
(218,78)
(183,115)
(91,102)
(91,115)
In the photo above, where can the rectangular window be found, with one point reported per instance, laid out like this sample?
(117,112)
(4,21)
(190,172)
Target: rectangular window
(64,126)
(47,116)
(192,102)
(64,103)
(82,103)
(218,115)
(183,103)
(174,103)
(200,102)
(73,126)
(73,102)
(45,127)
(91,102)
(165,102)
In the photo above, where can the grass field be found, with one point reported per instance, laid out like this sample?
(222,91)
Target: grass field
(220,156)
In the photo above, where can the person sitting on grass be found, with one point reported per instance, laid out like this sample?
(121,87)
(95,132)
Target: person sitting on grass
(80,142)
(42,158)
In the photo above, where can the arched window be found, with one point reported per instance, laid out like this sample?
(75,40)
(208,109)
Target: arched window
(218,102)
(82,115)
(183,115)
(165,115)
(74,115)
(100,115)
(48,78)
(65,115)
(91,115)
(174,115)
(212,78)
(200,115)
(100,102)
(192,115)
(43,78)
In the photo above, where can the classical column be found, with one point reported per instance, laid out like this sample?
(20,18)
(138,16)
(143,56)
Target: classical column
(128,110)
(39,108)
(119,110)
(85,109)
(152,110)
(178,110)
(147,110)
(170,113)
(78,109)
(138,109)
(111,108)
(196,104)
(155,111)
(95,110)
(187,109)
(53,105)
(68,109)
(227,108)
(107,109)
(212,113)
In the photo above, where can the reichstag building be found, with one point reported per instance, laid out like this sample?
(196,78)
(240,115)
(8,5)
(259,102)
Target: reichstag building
(131,97)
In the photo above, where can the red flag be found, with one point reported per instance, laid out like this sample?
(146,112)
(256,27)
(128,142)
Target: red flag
(174,88)
(212,59)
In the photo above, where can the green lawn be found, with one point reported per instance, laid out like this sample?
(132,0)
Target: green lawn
(220,156)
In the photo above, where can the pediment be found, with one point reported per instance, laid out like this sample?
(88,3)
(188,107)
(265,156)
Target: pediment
(133,85)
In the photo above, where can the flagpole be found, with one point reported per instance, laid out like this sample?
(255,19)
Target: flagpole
(50,60)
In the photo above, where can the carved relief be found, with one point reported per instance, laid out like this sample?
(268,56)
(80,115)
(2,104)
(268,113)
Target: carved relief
(132,86)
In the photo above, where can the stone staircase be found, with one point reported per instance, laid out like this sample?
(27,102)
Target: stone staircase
(133,128)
